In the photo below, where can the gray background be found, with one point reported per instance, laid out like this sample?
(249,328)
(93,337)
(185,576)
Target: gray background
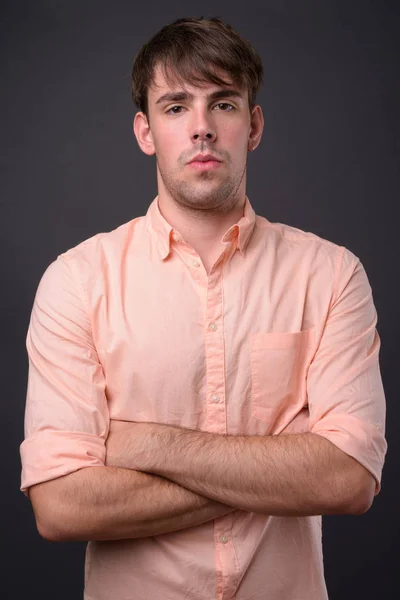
(70,168)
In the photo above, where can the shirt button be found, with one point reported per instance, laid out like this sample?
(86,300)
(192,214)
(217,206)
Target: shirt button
(175,237)
(223,539)
(215,398)
(196,263)
(213,327)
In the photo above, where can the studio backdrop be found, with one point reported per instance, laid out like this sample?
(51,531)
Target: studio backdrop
(328,163)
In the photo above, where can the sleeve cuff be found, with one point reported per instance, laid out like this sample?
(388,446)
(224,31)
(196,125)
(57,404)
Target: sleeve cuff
(359,439)
(50,454)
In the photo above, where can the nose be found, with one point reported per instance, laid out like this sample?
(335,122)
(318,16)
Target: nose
(209,135)
(202,127)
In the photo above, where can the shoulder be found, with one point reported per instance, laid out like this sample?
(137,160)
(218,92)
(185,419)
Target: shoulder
(307,246)
(104,243)
(103,252)
(93,261)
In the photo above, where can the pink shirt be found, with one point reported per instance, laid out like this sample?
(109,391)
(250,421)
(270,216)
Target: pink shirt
(279,337)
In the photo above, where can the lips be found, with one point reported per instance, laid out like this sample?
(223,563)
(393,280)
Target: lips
(204,158)
(204,164)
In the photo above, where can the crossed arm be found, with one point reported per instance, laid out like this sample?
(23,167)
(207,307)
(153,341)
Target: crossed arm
(160,478)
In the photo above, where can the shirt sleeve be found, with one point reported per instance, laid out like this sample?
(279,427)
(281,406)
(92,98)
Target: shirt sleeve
(345,392)
(66,414)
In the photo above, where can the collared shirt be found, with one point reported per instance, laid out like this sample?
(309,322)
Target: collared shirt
(280,337)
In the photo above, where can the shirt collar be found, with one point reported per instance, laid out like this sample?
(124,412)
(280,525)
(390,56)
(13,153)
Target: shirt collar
(163,233)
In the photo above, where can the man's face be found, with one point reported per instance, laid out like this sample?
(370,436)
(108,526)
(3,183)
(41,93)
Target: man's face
(198,121)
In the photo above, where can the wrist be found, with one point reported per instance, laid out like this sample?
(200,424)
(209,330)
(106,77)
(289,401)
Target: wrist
(147,447)
(131,445)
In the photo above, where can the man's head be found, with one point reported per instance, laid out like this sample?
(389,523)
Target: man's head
(193,50)
(195,83)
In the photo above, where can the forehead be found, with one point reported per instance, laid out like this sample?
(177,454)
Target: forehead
(160,84)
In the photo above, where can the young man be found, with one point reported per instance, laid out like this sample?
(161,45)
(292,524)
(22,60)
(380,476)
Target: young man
(203,384)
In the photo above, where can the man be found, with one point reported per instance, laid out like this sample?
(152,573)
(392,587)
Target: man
(203,384)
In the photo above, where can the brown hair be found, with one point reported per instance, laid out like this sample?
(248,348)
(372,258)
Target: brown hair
(190,50)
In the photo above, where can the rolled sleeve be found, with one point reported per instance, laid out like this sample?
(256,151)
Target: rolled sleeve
(345,391)
(66,414)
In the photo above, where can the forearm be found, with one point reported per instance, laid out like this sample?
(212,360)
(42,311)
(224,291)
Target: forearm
(107,503)
(294,474)
(275,475)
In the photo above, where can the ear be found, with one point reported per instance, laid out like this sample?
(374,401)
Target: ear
(143,133)
(256,128)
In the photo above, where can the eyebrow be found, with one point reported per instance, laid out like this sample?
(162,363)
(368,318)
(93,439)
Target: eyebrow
(180,96)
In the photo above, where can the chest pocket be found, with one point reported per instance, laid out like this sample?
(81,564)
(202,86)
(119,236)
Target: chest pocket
(279,363)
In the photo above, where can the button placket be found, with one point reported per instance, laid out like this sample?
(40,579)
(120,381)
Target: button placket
(215,353)
(226,556)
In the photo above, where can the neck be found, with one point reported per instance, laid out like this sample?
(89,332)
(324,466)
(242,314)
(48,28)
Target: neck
(201,228)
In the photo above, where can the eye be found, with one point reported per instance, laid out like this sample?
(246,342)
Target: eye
(174,110)
(224,106)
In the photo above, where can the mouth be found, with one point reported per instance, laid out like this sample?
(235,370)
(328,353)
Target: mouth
(204,163)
